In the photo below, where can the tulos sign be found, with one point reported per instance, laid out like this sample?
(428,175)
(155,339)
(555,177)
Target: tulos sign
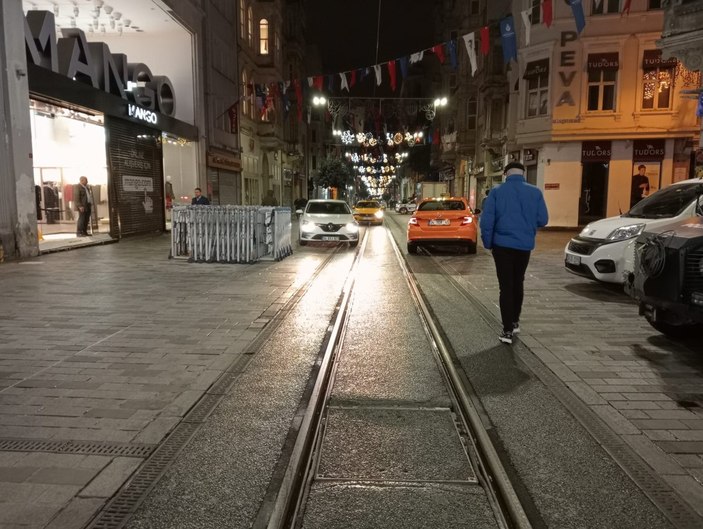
(93,63)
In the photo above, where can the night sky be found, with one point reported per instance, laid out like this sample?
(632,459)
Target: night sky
(345,30)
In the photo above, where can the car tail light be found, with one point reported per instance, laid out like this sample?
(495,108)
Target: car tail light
(466,220)
(413,221)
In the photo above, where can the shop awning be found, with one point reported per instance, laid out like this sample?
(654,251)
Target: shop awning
(536,68)
(603,61)
(653,59)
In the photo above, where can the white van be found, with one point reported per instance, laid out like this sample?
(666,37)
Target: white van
(604,250)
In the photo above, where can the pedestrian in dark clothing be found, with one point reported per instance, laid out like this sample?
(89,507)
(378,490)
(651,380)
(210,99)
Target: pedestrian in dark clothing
(199,199)
(84,205)
(512,213)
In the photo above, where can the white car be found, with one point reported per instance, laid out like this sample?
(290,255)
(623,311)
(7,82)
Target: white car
(604,250)
(405,207)
(328,220)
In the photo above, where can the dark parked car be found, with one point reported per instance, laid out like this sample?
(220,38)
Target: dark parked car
(668,278)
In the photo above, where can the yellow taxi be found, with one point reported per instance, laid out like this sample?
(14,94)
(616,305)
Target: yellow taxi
(369,211)
(443,221)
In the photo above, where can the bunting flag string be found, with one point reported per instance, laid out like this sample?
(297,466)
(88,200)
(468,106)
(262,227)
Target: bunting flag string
(626,8)
(264,96)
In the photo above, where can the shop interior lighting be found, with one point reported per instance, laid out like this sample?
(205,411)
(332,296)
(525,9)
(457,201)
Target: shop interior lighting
(108,9)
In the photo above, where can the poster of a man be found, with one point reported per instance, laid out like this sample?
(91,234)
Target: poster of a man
(640,185)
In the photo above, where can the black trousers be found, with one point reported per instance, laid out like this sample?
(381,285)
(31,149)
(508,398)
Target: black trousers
(511,265)
(83,220)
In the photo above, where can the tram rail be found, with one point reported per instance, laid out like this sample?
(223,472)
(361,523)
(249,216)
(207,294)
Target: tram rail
(299,476)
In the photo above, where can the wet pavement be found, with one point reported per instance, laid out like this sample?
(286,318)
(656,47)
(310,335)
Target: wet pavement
(113,345)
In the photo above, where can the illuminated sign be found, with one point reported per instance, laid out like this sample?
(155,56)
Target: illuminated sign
(92,63)
(143,114)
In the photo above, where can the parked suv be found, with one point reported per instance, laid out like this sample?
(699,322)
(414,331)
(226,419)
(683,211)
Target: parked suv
(405,207)
(604,250)
(667,280)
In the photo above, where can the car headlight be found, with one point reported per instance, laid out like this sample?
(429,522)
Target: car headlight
(626,232)
(378,214)
(307,225)
(352,227)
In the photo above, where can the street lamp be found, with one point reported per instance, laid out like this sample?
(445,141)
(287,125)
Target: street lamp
(430,110)
(319,101)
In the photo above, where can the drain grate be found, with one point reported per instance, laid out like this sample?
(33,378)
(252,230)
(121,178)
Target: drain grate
(76,447)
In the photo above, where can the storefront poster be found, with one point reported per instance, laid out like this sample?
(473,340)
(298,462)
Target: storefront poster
(653,173)
(137,183)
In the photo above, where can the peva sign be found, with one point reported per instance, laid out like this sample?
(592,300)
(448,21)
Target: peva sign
(92,63)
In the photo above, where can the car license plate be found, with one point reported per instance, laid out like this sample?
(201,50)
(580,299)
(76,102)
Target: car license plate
(328,238)
(439,222)
(573,259)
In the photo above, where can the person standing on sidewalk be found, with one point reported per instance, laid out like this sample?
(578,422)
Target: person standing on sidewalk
(199,199)
(512,213)
(84,205)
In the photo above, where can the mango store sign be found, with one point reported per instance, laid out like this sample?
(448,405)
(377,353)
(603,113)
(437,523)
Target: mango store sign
(92,63)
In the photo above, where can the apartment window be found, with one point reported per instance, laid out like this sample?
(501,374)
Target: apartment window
(657,81)
(536,13)
(602,81)
(314,162)
(496,116)
(536,78)
(264,36)
(654,4)
(471,111)
(603,7)
(250,26)
(474,7)
(245,92)
(242,18)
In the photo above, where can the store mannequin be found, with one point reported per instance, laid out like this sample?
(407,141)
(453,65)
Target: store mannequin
(168,195)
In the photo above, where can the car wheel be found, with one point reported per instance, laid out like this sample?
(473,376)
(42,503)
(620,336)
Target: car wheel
(354,244)
(677,332)
(412,247)
(470,248)
(303,243)
(403,210)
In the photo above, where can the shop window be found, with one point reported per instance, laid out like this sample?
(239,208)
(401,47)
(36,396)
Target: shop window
(536,13)
(250,26)
(654,4)
(471,111)
(604,7)
(602,81)
(264,36)
(242,19)
(657,84)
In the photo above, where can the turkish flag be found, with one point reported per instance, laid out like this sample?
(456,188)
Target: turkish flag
(547,12)
(485,40)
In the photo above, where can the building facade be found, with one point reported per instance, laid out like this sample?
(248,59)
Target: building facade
(587,110)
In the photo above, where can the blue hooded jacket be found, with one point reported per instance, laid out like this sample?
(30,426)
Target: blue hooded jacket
(512,213)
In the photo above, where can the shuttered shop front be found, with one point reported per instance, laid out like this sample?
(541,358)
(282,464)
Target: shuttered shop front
(136,178)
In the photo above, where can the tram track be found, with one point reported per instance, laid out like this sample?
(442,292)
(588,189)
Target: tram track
(295,487)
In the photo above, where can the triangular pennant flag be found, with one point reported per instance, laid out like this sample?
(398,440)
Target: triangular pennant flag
(577,10)
(438,50)
(352,81)
(453,60)
(404,62)
(485,40)
(470,41)
(509,39)
(547,12)
(344,85)
(597,4)
(417,57)
(528,24)
(330,82)
(310,81)
(377,69)
(317,82)
(363,72)
(391,74)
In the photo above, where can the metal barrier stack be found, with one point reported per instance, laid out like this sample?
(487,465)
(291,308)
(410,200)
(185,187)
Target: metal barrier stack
(230,234)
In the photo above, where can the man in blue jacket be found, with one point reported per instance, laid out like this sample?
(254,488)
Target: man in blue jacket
(512,213)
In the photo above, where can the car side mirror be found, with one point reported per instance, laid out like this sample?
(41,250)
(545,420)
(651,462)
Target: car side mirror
(298,211)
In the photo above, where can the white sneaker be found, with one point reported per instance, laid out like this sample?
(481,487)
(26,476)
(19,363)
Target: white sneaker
(506,337)
(516,327)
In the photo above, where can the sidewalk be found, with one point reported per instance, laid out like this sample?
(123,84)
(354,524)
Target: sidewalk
(111,346)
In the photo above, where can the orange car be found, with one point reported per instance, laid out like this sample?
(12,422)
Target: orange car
(443,221)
